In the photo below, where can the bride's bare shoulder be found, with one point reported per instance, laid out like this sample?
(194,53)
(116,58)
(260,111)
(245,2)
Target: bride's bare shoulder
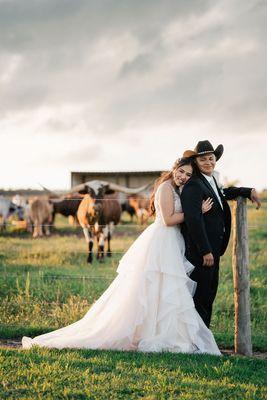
(165,188)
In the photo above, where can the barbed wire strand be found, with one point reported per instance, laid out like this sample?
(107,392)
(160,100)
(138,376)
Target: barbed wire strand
(56,276)
(125,225)
(78,227)
(131,197)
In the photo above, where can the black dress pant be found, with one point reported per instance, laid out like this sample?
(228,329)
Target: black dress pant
(207,279)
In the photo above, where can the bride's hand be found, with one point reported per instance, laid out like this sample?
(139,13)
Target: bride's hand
(207,205)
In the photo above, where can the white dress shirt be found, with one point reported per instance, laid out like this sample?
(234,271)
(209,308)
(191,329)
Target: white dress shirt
(212,183)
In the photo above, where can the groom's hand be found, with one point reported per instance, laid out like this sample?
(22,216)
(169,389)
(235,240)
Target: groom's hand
(208,260)
(254,197)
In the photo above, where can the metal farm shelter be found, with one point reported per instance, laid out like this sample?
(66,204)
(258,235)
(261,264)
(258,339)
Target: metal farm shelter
(132,179)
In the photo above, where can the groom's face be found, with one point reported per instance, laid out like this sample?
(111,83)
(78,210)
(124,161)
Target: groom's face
(206,163)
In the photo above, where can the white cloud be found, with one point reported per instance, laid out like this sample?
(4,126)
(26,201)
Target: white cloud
(106,85)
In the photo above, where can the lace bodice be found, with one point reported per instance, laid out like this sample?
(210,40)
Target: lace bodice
(176,200)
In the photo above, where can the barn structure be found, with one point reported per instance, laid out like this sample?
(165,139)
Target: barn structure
(132,179)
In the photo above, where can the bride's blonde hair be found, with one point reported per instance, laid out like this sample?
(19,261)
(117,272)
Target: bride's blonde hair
(165,176)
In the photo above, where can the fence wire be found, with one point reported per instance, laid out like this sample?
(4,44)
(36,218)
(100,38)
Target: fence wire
(42,276)
(77,226)
(125,225)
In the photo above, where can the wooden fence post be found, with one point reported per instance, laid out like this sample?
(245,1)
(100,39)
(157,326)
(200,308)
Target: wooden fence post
(240,264)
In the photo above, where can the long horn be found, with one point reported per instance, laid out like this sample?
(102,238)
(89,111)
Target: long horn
(95,184)
(78,188)
(124,189)
(54,194)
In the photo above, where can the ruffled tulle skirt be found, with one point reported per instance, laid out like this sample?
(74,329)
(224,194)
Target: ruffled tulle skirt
(148,306)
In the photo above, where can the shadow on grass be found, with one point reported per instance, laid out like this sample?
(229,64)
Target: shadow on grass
(201,363)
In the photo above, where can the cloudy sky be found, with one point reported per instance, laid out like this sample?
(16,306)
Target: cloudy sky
(129,85)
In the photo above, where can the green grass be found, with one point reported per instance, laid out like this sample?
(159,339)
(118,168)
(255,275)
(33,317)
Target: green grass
(46,284)
(88,374)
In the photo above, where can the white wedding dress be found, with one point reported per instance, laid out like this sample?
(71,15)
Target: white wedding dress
(148,306)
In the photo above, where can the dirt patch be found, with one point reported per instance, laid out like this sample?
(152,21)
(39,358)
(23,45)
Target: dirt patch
(10,343)
(257,354)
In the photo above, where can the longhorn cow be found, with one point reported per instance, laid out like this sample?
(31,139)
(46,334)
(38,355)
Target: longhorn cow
(7,208)
(40,215)
(141,206)
(99,211)
(66,205)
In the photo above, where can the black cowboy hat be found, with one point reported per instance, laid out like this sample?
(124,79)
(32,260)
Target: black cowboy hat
(205,147)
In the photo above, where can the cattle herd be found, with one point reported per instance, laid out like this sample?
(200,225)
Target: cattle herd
(94,205)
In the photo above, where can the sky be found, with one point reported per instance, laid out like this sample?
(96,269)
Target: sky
(123,85)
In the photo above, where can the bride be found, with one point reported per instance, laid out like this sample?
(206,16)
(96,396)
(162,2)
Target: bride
(149,305)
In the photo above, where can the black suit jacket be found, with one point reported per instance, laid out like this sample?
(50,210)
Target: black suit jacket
(209,232)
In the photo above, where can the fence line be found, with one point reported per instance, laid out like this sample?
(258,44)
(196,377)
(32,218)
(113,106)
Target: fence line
(69,226)
(125,225)
(56,276)
(263,200)
(53,199)
(77,252)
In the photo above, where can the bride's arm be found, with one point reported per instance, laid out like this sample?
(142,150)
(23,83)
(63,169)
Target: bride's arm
(166,204)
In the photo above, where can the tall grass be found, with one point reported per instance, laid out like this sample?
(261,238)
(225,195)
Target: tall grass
(46,283)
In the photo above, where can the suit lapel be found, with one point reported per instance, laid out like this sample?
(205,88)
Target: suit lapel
(220,193)
(214,195)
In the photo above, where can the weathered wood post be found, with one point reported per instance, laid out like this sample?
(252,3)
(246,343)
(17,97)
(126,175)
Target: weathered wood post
(240,263)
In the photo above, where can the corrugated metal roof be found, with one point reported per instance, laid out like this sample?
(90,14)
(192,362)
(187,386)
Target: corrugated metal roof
(117,172)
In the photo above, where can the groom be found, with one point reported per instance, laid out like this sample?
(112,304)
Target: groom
(207,235)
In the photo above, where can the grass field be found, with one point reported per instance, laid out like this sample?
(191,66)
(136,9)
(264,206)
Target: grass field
(46,283)
(84,374)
